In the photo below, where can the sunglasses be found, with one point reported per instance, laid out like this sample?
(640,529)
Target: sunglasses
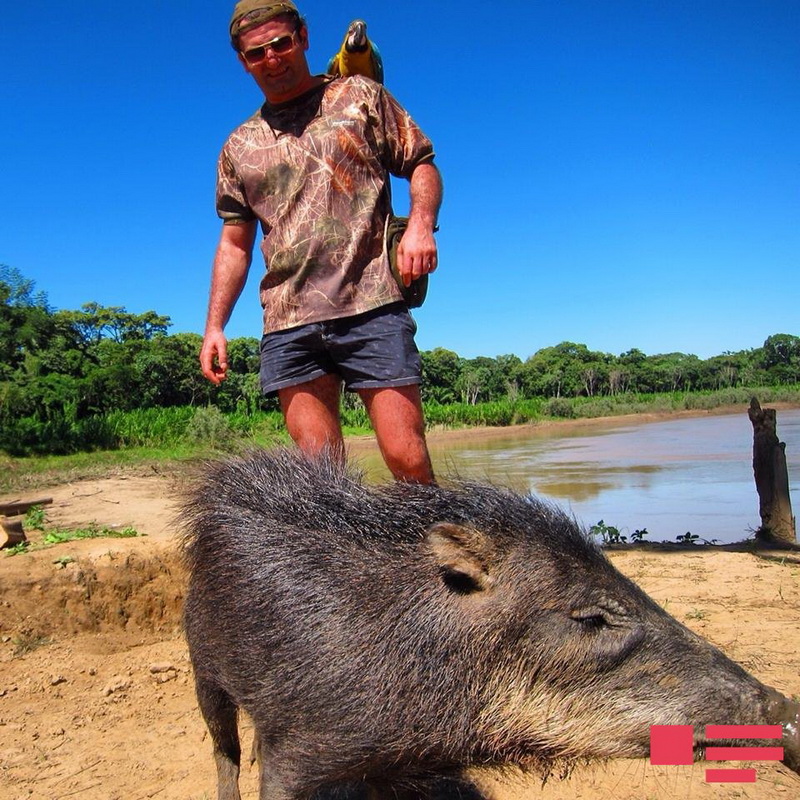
(279,45)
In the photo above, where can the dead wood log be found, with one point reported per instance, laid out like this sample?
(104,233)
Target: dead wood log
(772,478)
(23,506)
(11,531)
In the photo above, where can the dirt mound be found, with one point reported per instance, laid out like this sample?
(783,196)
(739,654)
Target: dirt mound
(130,592)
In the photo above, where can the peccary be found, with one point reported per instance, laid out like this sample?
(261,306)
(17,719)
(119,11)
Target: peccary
(386,634)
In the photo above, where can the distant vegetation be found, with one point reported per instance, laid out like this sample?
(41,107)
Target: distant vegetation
(103,378)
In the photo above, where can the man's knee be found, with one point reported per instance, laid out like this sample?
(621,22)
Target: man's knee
(397,418)
(412,464)
(311,412)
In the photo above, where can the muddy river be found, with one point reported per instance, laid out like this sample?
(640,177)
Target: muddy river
(691,474)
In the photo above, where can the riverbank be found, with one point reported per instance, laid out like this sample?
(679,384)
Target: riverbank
(362,443)
(31,473)
(668,476)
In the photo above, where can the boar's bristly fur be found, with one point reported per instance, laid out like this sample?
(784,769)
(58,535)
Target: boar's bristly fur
(383,634)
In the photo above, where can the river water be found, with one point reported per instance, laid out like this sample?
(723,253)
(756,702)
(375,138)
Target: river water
(690,474)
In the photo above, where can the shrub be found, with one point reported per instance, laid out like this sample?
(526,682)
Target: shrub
(210,427)
(559,407)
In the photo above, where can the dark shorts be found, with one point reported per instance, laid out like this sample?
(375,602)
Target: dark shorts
(373,350)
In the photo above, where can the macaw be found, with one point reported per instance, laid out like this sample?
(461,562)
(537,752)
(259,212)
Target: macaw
(357,55)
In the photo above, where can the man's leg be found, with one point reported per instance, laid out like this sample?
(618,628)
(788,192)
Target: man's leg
(396,415)
(311,411)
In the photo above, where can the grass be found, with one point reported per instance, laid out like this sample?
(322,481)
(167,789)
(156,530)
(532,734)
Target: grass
(91,532)
(34,472)
(55,536)
(27,643)
(35,518)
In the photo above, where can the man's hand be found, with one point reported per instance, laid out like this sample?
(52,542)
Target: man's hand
(214,357)
(231,262)
(416,253)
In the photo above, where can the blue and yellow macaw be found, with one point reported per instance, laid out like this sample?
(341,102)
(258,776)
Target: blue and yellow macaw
(357,55)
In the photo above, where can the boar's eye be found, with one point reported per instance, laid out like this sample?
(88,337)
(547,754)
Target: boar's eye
(609,631)
(594,618)
(595,622)
(591,621)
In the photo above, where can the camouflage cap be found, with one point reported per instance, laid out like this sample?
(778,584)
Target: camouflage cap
(257,12)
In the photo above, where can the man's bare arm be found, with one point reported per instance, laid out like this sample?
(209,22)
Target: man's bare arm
(416,253)
(231,264)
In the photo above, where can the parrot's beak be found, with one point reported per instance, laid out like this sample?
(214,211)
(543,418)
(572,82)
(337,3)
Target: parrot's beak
(356,36)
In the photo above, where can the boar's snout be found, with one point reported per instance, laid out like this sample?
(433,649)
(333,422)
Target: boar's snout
(781,710)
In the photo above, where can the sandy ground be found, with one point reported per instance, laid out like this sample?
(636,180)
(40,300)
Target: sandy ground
(96,694)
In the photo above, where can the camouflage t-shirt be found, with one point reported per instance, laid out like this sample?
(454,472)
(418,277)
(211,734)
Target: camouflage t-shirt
(313,172)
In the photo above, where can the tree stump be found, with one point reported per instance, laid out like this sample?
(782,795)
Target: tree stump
(12,516)
(772,478)
(11,531)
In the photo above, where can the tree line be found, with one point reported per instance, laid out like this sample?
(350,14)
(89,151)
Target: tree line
(58,367)
(572,370)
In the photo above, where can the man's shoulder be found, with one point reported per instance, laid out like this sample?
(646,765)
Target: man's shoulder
(357,81)
(246,128)
(354,86)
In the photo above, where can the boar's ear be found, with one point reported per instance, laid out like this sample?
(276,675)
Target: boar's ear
(464,556)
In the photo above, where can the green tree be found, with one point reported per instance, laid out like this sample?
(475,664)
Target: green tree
(25,321)
(169,370)
(473,382)
(509,371)
(17,290)
(441,369)
(731,369)
(94,323)
(242,389)
(627,369)
(670,372)
(781,357)
(567,369)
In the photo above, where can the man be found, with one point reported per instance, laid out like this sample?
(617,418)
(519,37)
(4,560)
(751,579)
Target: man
(311,168)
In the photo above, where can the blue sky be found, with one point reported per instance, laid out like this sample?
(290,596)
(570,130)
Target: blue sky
(620,173)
